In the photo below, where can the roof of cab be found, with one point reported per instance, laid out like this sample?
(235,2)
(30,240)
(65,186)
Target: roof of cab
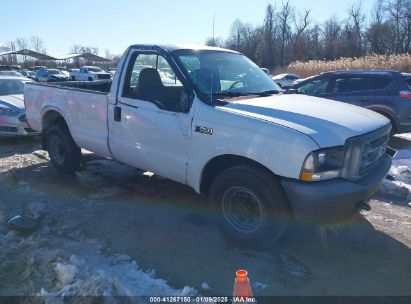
(364,72)
(171,47)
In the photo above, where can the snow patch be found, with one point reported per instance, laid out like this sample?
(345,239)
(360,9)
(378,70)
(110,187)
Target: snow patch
(205,286)
(65,273)
(401,171)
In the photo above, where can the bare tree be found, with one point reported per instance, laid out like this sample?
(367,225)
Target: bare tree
(37,44)
(284,16)
(378,32)
(356,22)
(22,43)
(300,26)
(217,42)
(268,41)
(78,49)
(398,15)
(331,38)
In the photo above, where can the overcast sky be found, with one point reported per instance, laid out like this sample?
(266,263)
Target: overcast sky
(117,24)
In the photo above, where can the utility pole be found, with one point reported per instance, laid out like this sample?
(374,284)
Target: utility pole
(213,29)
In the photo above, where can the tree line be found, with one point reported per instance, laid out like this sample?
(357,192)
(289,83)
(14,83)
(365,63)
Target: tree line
(287,34)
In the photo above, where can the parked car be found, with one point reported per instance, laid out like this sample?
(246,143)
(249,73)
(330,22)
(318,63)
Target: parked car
(37,67)
(15,67)
(64,71)
(12,113)
(11,73)
(301,80)
(385,92)
(50,75)
(285,80)
(5,68)
(267,71)
(224,128)
(90,73)
(28,74)
(73,73)
(12,67)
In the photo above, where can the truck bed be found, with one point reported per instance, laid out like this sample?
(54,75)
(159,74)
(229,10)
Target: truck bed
(102,86)
(84,105)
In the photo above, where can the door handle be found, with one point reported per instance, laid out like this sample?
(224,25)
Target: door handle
(365,98)
(117,113)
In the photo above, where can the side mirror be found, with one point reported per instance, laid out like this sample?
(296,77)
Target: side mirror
(185,102)
(291,91)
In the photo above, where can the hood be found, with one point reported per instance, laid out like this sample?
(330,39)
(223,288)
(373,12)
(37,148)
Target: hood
(16,101)
(98,73)
(329,123)
(58,76)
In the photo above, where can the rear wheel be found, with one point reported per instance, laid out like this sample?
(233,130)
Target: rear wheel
(251,206)
(63,151)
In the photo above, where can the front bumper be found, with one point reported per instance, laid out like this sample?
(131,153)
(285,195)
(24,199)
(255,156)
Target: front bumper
(333,200)
(11,126)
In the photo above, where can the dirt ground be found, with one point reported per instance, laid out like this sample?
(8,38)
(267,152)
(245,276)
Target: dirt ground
(110,212)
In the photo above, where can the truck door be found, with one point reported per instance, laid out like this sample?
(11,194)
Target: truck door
(150,122)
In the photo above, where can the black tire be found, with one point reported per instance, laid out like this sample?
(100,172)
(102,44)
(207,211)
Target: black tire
(63,151)
(393,125)
(248,191)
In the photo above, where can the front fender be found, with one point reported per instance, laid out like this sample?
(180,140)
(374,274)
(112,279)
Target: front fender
(280,149)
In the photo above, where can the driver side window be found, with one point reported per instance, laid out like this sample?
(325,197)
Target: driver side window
(149,77)
(316,86)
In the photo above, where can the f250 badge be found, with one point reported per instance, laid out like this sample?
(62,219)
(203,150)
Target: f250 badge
(204,130)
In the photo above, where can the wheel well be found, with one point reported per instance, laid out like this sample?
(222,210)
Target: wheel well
(50,118)
(389,116)
(218,164)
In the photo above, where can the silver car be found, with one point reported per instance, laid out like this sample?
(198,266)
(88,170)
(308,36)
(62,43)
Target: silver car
(12,111)
(285,81)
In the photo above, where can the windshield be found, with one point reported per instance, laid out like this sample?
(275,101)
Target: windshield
(223,73)
(95,69)
(53,72)
(11,86)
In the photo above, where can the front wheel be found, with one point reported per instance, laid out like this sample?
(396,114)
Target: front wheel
(251,206)
(63,151)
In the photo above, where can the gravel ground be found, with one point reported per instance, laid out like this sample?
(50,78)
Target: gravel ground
(115,230)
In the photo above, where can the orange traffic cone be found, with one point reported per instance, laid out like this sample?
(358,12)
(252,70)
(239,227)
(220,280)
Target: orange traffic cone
(242,287)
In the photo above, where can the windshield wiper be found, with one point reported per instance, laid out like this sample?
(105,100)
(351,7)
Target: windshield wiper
(265,93)
(227,94)
(239,94)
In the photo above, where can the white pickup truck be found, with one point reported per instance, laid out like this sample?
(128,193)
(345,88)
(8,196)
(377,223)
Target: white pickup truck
(210,118)
(89,73)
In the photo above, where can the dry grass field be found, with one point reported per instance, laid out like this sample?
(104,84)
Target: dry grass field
(371,62)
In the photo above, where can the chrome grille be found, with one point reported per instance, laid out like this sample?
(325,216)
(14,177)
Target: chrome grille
(364,152)
(373,150)
(103,76)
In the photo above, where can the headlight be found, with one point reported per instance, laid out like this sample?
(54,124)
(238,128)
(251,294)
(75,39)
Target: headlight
(8,111)
(323,164)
